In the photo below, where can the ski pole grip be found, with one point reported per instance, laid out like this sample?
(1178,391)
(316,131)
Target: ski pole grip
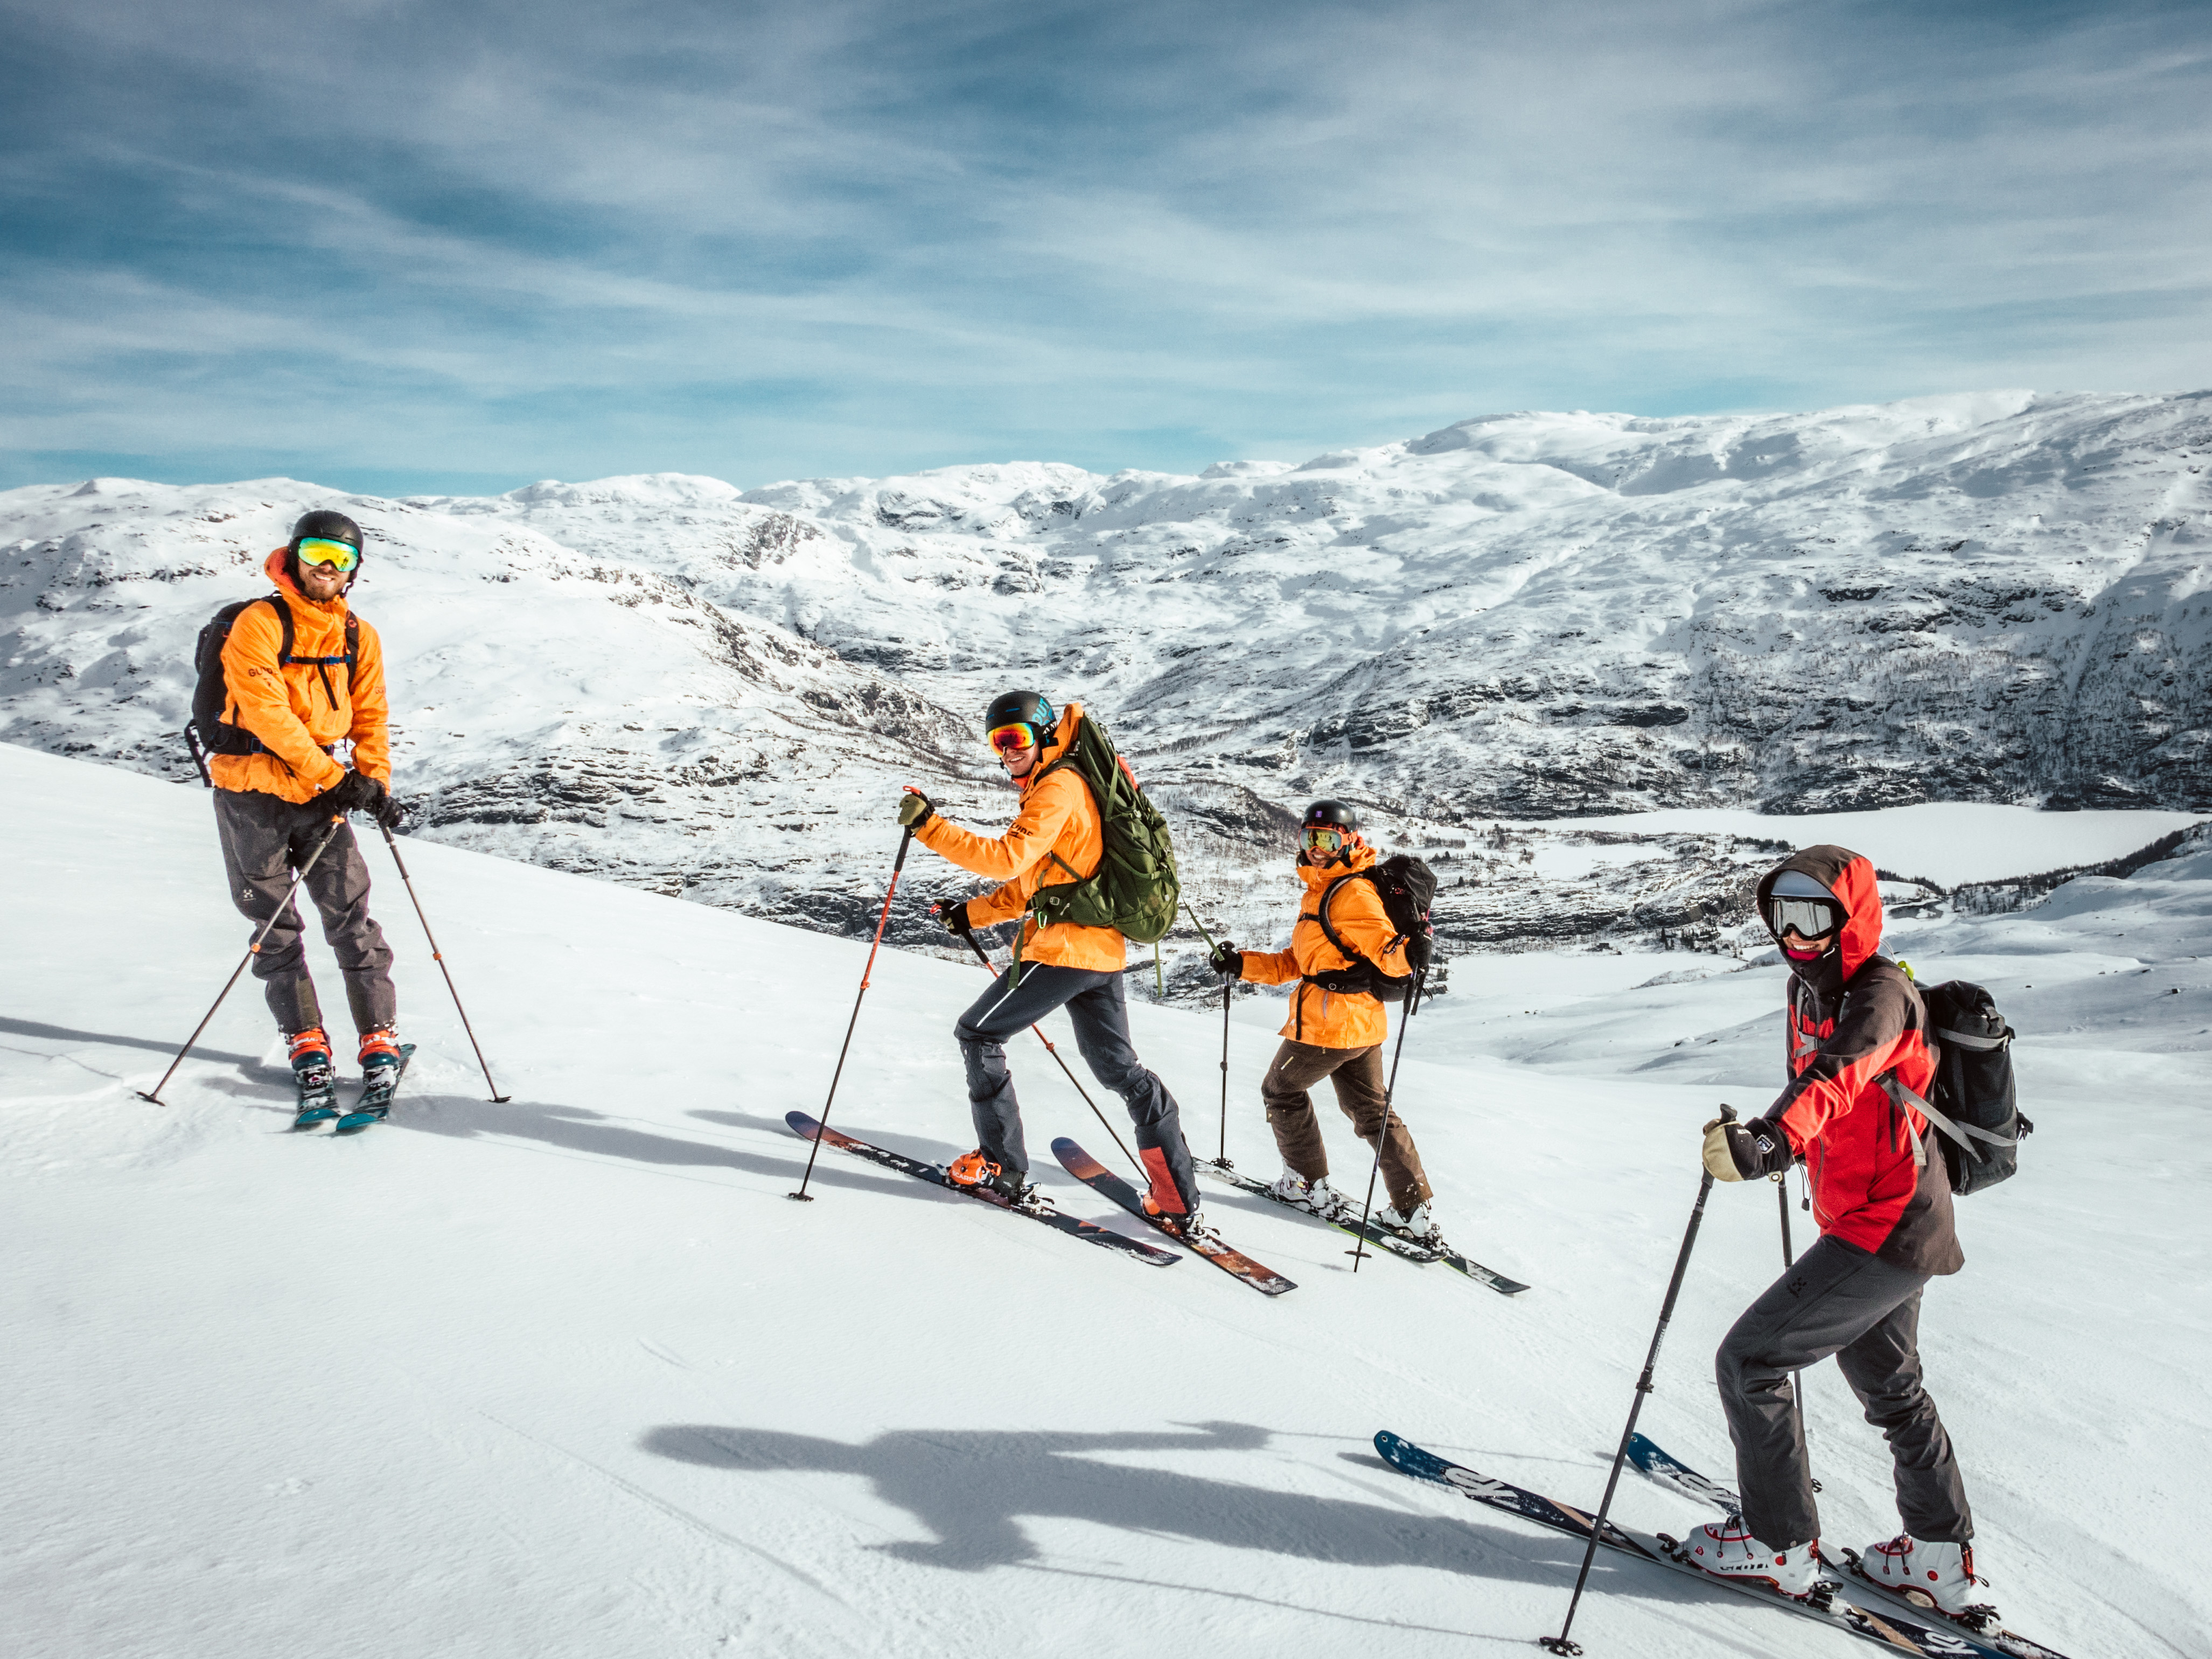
(1728,1113)
(906,840)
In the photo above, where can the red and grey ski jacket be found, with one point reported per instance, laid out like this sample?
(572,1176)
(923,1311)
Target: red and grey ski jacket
(1854,1020)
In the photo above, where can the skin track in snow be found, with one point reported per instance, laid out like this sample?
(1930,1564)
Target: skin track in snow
(806,1128)
(1896,1634)
(1672,1473)
(1089,1171)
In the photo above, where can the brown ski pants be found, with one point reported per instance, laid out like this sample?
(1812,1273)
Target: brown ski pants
(1356,1076)
(265,839)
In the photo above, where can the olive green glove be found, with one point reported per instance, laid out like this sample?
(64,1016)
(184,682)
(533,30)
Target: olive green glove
(914,809)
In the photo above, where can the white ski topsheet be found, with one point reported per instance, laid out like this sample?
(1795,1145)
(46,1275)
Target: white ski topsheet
(571,1376)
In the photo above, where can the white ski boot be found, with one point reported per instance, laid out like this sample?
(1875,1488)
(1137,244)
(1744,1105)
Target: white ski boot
(1930,1575)
(1726,1549)
(1420,1227)
(1316,1197)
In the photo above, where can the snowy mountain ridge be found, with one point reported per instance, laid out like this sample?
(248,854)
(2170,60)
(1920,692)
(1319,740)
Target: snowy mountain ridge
(689,686)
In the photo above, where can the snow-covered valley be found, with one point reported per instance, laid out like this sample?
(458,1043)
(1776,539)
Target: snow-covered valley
(567,1375)
(1521,621)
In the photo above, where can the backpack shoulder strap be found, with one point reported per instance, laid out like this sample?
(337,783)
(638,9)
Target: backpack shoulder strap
(275,602)
(353,643)
(1321,915)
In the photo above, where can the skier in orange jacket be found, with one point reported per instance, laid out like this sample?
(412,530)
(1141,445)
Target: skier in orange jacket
(1058,837)
(1337,1025)
(298,686)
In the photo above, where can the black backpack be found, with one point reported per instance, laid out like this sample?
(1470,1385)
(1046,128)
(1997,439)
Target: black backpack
(1976,1105)
(1407,887)
(208,732)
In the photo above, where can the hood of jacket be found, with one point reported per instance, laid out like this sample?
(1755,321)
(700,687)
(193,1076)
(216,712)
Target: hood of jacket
(1850,879)
(1063,735)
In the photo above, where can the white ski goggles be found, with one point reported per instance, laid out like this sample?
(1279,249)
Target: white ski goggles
(1807,918)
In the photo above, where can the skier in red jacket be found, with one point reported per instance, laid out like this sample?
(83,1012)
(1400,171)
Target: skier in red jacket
(1882,1197)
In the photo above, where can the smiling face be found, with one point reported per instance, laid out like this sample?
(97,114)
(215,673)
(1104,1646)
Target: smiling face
(1803,949)
(320,582)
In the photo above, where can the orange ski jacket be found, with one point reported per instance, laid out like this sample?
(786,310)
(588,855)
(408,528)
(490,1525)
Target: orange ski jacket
(1056,838)
(300,711)
(1333,1019)
(1878,1181)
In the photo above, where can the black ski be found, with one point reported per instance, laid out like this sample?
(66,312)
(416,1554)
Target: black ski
(375,1102)
(1413,1249)
(1374,1234)
(1089,1171)
(1898,1634)
(1672,1473)
(1040,1209)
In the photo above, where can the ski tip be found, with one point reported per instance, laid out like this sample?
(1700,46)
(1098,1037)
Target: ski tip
(1078,1163)
(801,1124)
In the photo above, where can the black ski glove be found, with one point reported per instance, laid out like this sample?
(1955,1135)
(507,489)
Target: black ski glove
(355,792)
(1420,952)
(914,809)
(1744,1151)
(1226,958)
(954,918)
(388,811)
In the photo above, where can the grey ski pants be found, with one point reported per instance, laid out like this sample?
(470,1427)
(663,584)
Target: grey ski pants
(264,839)
(1100,1014)
(1838,1299)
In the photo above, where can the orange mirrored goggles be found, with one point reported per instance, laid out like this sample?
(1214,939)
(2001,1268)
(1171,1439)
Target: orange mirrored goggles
(1013,738)
(1326,841)
(339,555)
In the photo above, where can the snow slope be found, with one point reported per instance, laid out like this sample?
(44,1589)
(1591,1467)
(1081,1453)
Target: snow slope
(570,1377)
(1999,597)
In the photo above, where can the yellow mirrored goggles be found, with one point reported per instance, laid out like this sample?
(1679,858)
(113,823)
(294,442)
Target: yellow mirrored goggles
(339,555)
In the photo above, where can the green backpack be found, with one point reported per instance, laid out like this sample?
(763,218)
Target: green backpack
(1135,888)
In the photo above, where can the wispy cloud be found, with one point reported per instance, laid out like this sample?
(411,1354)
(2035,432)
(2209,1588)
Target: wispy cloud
(780,239)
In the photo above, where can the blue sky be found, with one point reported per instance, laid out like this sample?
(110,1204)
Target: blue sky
(439,245)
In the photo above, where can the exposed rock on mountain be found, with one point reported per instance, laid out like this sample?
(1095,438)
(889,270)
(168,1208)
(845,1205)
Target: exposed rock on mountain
(671,682)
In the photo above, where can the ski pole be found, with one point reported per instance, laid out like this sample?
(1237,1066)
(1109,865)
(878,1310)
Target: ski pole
(1228,984)
(906,840)
(1789,1260)
(976,945)
(1358,1250)
(1228,981)
(252,950)
(1559,1643)
(438,956)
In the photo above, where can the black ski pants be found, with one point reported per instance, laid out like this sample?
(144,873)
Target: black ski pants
(1100,1014)
(1838,1299)
(265,839)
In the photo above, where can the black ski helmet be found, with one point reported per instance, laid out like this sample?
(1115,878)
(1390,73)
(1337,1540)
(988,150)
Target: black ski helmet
(1028,707)
(1330,815)
(325,524)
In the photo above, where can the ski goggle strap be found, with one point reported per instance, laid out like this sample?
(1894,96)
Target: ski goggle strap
(1013,739)
(1809,918)
(1323,840)
(339,555)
